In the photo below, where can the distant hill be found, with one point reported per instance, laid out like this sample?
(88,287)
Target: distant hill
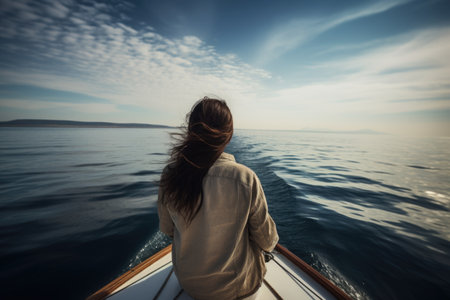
(362,131)
(78,124)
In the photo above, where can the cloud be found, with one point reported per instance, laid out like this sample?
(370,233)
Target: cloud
(392,86)
(412,67)
(57,10)
(295,32)
(104,57)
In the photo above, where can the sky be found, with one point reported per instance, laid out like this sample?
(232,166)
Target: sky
(321,65)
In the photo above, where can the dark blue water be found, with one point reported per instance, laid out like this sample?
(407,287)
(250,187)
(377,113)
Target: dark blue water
(370,212)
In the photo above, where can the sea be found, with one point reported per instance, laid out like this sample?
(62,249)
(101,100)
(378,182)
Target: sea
(371,212)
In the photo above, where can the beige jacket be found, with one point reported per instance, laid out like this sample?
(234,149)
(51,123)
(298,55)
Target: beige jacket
(219,255)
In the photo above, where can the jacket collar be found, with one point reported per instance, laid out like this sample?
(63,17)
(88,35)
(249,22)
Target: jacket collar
(226,156)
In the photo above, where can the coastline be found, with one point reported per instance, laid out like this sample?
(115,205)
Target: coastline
(75,124)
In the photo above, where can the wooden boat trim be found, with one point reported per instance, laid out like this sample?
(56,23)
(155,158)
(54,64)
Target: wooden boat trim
(108,289)
(319,278)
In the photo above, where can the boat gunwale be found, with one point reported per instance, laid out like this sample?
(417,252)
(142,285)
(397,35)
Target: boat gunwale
(313,273)
(111,287)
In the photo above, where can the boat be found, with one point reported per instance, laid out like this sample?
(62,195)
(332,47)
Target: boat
(287,277)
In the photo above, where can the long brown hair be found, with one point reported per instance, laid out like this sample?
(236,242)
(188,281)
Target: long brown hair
(210,128)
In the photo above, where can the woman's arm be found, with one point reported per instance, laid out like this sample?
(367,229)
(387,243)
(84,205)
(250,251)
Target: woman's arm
(165,221)
(262,228)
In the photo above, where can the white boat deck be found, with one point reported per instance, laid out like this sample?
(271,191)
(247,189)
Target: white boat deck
(284,280)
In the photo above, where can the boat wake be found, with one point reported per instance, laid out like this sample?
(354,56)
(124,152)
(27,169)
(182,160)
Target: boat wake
(157,242)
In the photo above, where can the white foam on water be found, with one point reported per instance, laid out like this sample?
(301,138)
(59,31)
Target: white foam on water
(157,241)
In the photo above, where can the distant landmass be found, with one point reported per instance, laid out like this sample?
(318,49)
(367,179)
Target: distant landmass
(362,131)
(75,124)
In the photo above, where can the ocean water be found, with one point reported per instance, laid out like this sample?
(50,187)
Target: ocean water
(370,212)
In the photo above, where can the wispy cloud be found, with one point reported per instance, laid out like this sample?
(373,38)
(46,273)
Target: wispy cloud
(92,50)
(295,32)
(402,75)
(413,67)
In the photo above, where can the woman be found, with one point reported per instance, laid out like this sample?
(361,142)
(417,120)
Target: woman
(215,210)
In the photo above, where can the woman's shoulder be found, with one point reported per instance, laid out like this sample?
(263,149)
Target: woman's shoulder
(229,168)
